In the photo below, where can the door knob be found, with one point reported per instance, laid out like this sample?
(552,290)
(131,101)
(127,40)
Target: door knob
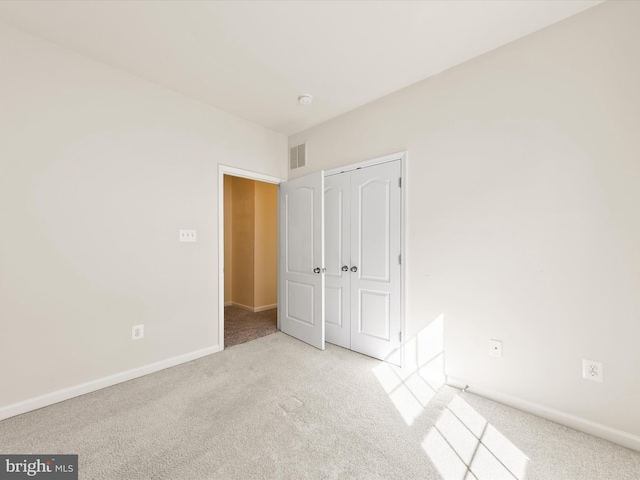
(316,270)
(354,269)
(345,268)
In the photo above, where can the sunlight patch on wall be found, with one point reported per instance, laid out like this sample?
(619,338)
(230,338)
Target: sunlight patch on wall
(424,353)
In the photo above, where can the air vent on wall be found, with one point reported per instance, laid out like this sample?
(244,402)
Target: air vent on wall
(298,156)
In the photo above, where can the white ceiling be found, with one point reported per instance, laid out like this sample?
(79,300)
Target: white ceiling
(253,58)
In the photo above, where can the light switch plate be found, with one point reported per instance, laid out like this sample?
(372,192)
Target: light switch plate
(188,236)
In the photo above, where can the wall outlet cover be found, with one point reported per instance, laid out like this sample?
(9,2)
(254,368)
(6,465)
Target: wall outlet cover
(137,332)
(592,370)
(495,348)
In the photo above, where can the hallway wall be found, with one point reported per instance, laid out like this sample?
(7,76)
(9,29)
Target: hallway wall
(243,241)
(266,246)
(228,239)
(251,229)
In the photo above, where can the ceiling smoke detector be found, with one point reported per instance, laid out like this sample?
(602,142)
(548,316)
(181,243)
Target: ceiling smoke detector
(305,99)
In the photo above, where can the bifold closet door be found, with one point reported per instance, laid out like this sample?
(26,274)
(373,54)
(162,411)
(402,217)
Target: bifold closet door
(301,281)
(375,255)
(337,214)
(362,254)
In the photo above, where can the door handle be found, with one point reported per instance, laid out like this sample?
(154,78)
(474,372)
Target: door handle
(345,268)
(316,270)
(354,269)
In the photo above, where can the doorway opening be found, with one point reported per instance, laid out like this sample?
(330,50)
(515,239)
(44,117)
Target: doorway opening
(248,255)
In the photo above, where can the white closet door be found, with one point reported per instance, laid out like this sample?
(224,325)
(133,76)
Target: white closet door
(301,217)
(337,258)
(375,257)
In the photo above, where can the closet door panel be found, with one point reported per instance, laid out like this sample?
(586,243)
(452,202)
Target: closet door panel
(301,283)
(375,252)
(337,246)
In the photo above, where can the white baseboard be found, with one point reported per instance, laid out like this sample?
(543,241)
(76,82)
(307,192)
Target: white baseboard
(228,304)
(614,435)
(253,309)
(265,307)
(243,307)
(88,387)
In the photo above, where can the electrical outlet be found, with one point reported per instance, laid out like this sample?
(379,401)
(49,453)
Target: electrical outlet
(188,236)
(495,348)
(592,370)
(137,332)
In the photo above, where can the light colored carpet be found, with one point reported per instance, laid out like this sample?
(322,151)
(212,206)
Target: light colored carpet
(277,408)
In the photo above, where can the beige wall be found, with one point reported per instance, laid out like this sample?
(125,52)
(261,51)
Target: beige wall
(243,239)
(266,245)
(98,172)
(252,231)
(228,239)
(522,210)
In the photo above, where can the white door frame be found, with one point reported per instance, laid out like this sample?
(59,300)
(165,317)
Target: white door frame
(234,172)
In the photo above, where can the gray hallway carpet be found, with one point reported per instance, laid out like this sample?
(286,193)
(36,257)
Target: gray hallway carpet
(276,408)
(242,326)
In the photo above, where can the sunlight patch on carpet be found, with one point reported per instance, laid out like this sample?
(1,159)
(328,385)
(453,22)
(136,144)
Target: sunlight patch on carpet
(413,386)
(463,445)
